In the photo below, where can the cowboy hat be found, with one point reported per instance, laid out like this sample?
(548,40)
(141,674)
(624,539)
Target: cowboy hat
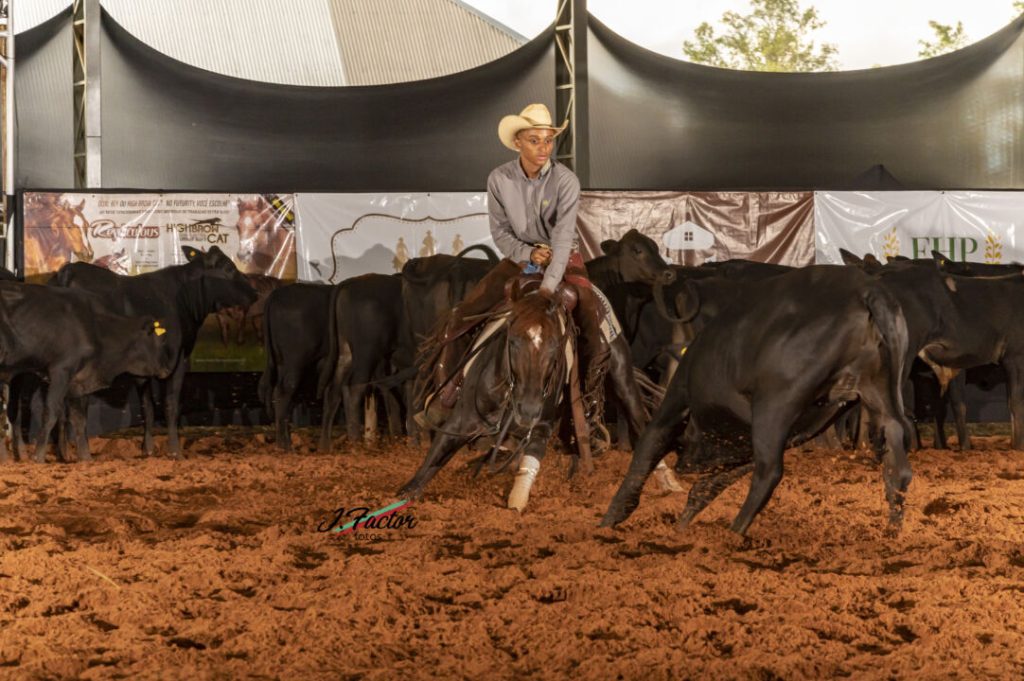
(533,116)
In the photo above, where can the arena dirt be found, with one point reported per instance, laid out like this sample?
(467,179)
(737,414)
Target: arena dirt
(212,567)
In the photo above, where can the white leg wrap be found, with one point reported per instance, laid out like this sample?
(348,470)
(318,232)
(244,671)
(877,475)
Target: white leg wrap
(666,478)
(525,476)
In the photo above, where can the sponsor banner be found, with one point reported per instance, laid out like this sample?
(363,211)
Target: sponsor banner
(137,233)
(345,235)
(962,225)
(696,227)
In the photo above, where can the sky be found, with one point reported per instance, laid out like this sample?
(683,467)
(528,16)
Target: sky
(867,32)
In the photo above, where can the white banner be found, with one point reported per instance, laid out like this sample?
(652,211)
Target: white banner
(962,225)
(344,235)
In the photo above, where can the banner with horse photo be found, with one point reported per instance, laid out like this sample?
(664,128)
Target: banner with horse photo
(132,234)
(975,226)
(697,227)
(345,235)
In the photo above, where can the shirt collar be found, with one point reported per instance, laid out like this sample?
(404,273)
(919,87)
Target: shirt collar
(544,170)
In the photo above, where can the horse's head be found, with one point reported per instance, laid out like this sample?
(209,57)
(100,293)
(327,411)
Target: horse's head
(255,222)
(70,225)
(536,355)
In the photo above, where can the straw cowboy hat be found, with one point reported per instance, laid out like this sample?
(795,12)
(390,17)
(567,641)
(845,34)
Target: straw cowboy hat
(533,116)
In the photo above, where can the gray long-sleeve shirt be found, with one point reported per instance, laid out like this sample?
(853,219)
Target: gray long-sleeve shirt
(525,212)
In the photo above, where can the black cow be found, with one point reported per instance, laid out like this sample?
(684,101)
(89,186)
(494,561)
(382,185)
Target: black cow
(773,367)
(182,295)
(66,338)
(295,342)
(364,321)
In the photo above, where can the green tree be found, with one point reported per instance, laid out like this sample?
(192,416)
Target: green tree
(774,36)
(1018,7)
(947,39)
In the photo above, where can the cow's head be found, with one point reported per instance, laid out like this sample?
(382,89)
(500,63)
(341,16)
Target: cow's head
(152,350)
(222,284)
(535,351)
(636,257)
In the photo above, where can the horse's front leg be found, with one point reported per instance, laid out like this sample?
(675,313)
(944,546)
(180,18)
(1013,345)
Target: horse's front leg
(529,466)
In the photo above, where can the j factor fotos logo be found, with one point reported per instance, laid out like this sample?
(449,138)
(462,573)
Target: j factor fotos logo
(358,520)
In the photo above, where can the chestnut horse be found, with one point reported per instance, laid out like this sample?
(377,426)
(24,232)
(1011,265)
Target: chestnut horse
(265,245)
(513,391)
(56,233)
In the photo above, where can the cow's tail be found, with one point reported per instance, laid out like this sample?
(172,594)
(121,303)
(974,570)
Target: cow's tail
(265,389)
(888,319)
(331,360)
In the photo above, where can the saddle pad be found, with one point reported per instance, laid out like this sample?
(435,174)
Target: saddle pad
(610,327)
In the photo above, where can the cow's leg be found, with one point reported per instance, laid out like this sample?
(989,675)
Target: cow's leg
(145,390)
(707,488)
(958,400)
(939,408)
(441,451)
(52,407)
(393,407)
(896,472)
(172,398)
(333,393)
(770,423)
(243,317)
(62,434)
(355,395)
(78,408)
(283,393)
(654,443)
(1015,398)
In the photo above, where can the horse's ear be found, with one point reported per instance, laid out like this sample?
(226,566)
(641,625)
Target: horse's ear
(512,290)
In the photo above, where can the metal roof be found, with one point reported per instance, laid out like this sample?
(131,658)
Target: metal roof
(392,41)
(274,41)
(308,42)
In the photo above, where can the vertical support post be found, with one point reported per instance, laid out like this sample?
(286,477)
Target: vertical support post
(10,140)
(571,91)
(86,66)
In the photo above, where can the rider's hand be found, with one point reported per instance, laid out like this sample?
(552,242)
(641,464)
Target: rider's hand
(541,255)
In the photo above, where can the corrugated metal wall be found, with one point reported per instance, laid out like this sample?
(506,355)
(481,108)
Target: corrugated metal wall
(273,41)
(30,13)
(402,40)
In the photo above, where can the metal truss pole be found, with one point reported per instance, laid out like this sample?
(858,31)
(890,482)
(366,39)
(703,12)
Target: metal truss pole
(9,140)
(86,65)
(571,86)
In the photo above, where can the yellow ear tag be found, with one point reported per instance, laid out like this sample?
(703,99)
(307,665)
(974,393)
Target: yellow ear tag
(191,254)
(683,351)
(160,331)
(156,324)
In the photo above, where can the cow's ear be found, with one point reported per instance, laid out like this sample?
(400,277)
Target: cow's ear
(191,253)
(870,259)
(609,246)
(942,260)
(215,250)
(850,258)
(687,302)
